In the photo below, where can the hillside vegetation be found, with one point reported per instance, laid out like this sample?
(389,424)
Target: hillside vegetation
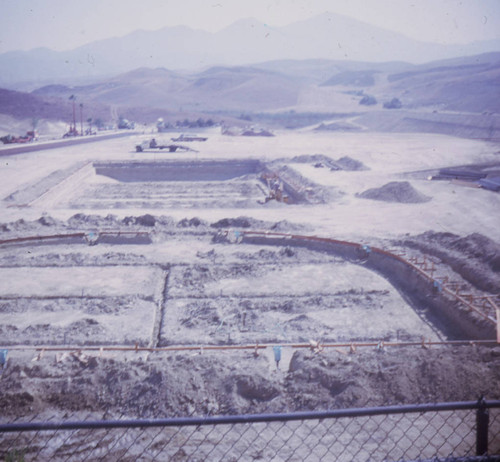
(439,95)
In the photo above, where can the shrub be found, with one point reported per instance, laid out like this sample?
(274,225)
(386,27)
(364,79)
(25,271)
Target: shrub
(394,103)
(368,100)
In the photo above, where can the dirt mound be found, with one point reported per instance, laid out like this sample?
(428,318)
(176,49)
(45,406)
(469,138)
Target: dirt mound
(81,220)
(247,222)
(191,223)
(385,377)
(475,257)
(238,382)
(395,191)
(342,126)
(84,222)
(344,163)
(287,226)
(350,164)
(309,158)
(144,220)
(239,222)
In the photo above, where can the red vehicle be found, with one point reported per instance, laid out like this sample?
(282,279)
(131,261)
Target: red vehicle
(9,139)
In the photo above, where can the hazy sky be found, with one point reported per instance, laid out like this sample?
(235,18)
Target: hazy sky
(66,24)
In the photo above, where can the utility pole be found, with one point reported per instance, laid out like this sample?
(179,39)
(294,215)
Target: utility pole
(73,128)
(81,119)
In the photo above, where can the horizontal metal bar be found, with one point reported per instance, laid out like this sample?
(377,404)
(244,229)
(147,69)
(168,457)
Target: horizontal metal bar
(247,419)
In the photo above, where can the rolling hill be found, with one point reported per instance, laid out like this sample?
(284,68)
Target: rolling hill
(466,88)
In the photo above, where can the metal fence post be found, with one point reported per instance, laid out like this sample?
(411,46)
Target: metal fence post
(482,422)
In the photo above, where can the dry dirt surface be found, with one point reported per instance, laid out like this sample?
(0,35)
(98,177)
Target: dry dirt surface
(159,385)
(144,263)
(188,289)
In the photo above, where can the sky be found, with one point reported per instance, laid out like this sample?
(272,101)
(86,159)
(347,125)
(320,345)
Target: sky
(66,24)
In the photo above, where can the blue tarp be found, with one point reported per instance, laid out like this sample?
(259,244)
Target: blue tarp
(3,357)
(277,353)
(493,184)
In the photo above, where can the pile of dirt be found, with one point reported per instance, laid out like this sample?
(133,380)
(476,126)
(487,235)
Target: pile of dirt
(238,382)
(308,158)
(341,126)
(81,222)
(395,191)
(191,223)
(388,377)
(344,163)
(302,190)
(350,164)
(287,226)
(475,257)
(239,222)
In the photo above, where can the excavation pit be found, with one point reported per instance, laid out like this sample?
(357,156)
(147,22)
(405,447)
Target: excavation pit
(192,171)
(85,305)
(285,299)
(170,185)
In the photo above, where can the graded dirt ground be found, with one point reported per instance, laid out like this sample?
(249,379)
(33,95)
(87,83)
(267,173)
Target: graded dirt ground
(181,286)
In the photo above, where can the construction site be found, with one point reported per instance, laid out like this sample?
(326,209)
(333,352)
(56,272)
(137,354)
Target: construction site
(305,271)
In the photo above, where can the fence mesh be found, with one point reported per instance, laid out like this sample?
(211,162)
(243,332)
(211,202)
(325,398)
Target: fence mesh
(407,436)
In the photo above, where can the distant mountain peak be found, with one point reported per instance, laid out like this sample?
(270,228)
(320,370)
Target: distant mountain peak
(245,22)
(247,41)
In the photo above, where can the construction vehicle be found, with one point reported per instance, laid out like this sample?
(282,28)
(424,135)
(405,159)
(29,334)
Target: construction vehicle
(153,145)
(275,187)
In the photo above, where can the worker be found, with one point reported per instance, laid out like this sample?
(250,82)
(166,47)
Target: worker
(152,143)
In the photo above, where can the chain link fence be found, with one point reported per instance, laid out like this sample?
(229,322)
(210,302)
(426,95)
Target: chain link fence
(466,431)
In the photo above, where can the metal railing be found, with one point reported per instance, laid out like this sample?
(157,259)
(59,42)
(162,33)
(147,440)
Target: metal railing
(464,431)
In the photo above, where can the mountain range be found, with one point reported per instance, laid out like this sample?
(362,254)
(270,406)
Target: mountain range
(465,84)
(326,37)
(457,97)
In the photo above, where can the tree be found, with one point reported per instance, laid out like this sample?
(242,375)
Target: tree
(394,103)
(368,100)
(99,123)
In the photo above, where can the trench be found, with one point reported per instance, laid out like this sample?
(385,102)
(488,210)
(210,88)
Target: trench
(160,310)
(415,286)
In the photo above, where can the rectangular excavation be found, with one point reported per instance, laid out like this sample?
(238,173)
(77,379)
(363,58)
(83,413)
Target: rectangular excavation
(171,184)
(78,305)
(277,302)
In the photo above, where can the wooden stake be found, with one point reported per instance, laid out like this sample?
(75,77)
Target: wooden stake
(498,325)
